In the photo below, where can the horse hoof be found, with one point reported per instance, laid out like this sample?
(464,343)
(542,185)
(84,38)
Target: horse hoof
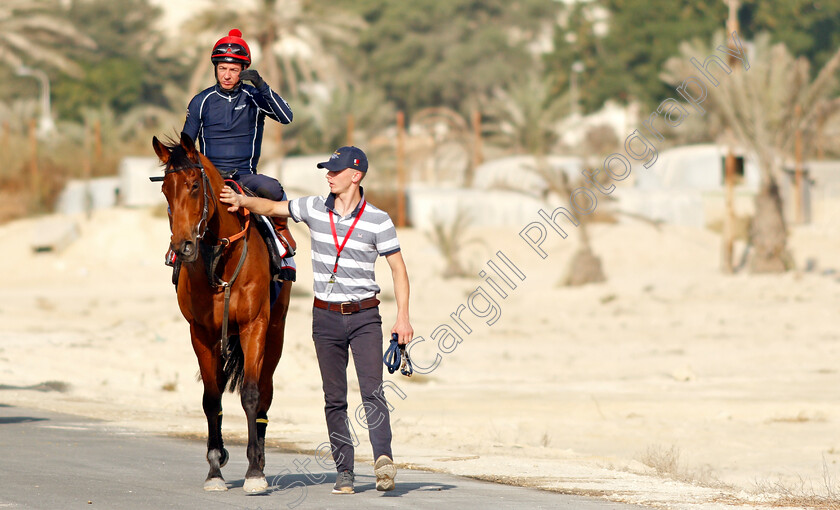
(253,485)
(215,484)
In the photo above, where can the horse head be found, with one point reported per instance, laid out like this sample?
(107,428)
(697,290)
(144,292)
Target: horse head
(189,193)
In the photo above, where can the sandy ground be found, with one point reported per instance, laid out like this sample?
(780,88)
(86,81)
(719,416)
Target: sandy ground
(583,390)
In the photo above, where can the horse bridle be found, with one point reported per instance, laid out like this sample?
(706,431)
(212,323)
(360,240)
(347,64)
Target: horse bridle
(205,185)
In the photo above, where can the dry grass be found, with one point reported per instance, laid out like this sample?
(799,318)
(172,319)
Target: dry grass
(666,463)
(33,174)
(802,417)
(802,494)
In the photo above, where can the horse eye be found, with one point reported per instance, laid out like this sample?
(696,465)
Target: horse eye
(194,186)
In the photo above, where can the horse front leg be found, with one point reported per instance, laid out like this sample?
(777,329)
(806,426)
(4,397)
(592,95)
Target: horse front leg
(252,338)
(273,351)
(210,366)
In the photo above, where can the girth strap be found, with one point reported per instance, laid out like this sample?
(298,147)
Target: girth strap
(227,286)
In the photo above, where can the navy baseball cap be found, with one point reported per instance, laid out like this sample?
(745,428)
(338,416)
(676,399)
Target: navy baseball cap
(346,157)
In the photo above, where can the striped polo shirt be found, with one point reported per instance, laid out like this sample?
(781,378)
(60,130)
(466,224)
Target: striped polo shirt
(374,235)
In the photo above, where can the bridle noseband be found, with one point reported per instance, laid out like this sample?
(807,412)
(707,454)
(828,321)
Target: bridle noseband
(201,227)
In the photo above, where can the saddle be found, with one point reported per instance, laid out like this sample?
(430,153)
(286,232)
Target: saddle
(278,239)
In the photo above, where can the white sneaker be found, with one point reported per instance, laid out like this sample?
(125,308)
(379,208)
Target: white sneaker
(385,471)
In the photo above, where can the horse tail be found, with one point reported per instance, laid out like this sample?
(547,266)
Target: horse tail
(234,369)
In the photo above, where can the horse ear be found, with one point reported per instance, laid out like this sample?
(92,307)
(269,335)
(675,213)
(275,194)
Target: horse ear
(189,146)
(161,150)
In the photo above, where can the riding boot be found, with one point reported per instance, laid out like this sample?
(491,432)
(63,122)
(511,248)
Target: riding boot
(284,235)
(281,227)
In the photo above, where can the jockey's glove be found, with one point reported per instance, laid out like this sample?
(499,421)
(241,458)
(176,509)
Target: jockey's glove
(253,76)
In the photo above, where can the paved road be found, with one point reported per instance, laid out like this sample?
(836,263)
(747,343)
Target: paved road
(58,461)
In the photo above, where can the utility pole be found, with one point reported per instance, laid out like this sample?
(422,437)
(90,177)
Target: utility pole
(797,141)
(478,156)
(729,180)
(34,177)
(97,140)
(87,171)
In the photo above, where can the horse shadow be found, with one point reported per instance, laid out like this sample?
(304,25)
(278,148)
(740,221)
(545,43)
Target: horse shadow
(10,420)
(6,420)
(283,483)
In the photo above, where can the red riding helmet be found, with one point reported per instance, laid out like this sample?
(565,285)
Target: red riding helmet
(232,48)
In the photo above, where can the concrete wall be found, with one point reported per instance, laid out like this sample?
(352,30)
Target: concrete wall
(518,172)
(82,196)
(135,188)
(427,205)
(826,177)
(693,167)
(679,207)
(300,176)
(685,186)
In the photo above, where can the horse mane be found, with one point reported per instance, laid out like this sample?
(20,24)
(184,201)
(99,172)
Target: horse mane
(178,158)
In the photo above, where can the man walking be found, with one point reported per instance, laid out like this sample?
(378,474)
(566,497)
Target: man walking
(347,234)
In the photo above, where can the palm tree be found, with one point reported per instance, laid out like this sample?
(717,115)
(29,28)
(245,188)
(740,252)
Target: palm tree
(321,122)
(764,107)
(449,237)
(527,116)
(291,35)
(442,126)
(31,32)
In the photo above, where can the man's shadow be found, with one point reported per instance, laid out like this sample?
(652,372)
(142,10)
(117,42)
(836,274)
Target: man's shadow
(289,483)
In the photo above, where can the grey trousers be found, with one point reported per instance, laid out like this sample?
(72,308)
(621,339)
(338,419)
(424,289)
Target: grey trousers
(361,332)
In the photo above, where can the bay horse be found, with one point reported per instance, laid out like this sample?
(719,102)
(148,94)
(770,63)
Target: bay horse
(223,289)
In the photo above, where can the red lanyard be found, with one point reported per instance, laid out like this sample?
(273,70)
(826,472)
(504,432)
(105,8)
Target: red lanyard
(346,237)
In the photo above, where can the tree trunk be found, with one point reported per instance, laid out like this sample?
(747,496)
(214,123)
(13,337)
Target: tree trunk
(768,232)
(585,266)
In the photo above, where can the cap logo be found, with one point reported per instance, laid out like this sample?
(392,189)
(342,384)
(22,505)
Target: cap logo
(356,162)
(335,155)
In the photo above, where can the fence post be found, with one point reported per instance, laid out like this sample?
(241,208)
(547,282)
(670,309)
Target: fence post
(351,125)
(34,177)
(401,216)
(797,140)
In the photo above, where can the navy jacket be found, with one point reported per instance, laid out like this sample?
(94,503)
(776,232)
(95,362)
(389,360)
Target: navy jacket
(229,125)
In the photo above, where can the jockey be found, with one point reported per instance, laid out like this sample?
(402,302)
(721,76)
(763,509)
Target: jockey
(228,119)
